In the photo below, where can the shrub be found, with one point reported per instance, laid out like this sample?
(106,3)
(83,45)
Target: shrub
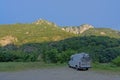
(116,61)
(17,56)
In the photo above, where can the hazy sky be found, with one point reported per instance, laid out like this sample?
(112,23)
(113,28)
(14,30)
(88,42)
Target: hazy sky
(99,13)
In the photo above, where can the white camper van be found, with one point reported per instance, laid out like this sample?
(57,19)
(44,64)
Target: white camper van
(80,61)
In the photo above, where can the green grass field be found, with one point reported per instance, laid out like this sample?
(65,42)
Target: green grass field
(18,66)
(106,67)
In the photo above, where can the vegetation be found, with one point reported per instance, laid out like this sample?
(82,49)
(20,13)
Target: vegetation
(47,42)
(101,49)
(105,67)
(116,61)
(102,32)
(16,66)
(33,33)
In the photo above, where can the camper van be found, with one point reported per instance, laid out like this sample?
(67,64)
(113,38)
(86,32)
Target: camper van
(80,61)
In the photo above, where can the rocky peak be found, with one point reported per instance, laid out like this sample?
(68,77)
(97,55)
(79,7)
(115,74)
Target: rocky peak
(42,21)
(79,29)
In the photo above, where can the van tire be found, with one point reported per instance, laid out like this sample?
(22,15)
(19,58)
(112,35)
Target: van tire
(69,66)
(76,67)
(86,69)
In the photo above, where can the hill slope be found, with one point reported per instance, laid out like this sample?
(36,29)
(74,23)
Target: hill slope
(31,33)
(102,32)
(45,31)
(45,41)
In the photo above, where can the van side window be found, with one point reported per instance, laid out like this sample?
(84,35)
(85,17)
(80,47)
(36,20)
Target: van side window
(72,59)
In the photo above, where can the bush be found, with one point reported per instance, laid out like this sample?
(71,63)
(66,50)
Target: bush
(65,56)
(50,56)
(116,61)
(17,56)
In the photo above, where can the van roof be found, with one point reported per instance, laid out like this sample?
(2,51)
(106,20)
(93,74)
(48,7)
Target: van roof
(80,54)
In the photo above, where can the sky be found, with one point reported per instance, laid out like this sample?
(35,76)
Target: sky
(99,13)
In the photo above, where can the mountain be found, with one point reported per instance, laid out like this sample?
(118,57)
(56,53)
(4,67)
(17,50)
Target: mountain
(45,31)
(45,41)
(36,32)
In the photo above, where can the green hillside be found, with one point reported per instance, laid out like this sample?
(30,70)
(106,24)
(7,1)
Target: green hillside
(44,31)
(32,33)
(102,32)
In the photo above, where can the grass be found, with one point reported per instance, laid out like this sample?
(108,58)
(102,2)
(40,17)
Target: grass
(105,67)
(18,66)
(32,33)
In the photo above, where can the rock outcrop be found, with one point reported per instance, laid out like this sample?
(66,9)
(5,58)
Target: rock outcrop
(7,40)
(42,21)
(78,30)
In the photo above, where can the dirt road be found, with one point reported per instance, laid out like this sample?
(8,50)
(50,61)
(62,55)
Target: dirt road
(63,73)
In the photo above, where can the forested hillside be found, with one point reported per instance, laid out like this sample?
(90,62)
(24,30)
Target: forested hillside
(102,49)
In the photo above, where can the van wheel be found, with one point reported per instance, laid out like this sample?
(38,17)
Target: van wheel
(69,66)
(86,68)
(76,67)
